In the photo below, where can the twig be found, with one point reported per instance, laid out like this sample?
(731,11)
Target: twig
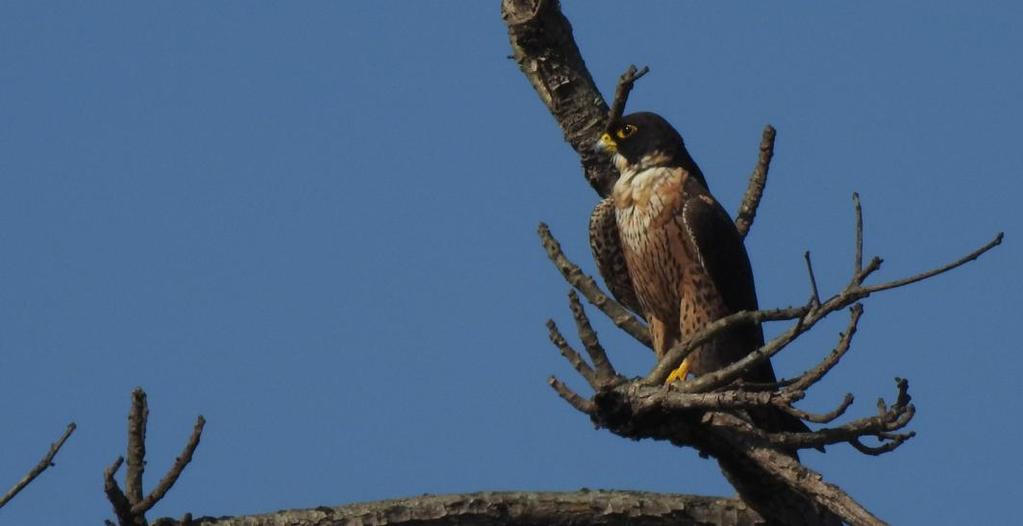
(585,284)
(931,273)
(46,462)
(174,472)
(812,376)
(885,447)
(757,181)
(858,259)
(821,418)
(579,403)
(881,425)
(851,294)
(588,336)
(813,279)
(625,84)
(571,354)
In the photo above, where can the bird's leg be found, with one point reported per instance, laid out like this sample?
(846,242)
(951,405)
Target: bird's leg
(680,373)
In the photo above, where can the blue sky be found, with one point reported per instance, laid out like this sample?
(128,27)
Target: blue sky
(314,223)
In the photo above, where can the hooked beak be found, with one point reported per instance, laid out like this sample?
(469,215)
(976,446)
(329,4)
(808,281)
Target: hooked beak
(606,144)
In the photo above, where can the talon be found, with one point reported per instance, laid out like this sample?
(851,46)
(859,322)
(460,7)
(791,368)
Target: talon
(680,373)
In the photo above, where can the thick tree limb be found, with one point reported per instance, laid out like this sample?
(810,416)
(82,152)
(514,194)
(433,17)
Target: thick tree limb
(546,52)
(795,476)
(613,508)
(46,462)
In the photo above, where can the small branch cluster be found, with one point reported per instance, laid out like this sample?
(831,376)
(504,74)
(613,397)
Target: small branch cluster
(131,505)
(705,412)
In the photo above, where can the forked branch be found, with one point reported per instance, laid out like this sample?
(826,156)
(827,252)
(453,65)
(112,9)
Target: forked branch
(130,506)
(625,84)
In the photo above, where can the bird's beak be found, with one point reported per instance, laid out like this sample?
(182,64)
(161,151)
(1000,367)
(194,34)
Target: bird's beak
(606,144)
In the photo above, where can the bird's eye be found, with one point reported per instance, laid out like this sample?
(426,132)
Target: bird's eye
(626,131)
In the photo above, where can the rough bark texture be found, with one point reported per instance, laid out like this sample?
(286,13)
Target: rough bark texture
(612,508)
(542,43)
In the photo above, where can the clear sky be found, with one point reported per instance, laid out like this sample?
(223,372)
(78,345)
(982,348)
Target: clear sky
(314,223)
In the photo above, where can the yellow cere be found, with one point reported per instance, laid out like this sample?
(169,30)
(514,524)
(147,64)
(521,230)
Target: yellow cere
(608,143)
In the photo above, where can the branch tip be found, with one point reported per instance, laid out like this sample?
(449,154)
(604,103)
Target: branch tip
(625,84)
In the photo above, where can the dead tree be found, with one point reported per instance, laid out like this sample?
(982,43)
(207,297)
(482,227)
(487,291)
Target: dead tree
(706,414)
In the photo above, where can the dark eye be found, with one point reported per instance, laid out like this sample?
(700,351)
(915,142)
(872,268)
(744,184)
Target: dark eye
(626,131)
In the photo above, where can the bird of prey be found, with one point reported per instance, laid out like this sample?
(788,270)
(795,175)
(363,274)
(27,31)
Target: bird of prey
(669,252)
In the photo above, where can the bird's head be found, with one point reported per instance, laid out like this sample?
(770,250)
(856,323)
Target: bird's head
(644,140)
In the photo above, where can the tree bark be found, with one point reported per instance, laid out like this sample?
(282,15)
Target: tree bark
(612,508)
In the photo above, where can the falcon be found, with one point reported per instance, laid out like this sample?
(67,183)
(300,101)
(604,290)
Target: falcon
(669,252)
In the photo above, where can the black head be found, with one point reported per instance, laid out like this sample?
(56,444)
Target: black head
(646,139)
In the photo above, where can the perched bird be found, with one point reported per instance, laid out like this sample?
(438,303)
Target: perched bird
(669,252)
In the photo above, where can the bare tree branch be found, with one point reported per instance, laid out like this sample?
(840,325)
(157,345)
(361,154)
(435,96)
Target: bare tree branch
(585,284)
(816,298)
(596,507)
(543,47)
(175,471)
(821,418)
(138,417)
(852,293)
(858,258)
(571,354)
(757,181)
(807,379)
(122,507)
(671,359)
(578,402)
(605,371)
(130,507)
(625,84)
(46,462)
(934,272)
(795,476)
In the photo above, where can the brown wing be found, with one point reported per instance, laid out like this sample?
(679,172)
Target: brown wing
(723,256)
(606,245)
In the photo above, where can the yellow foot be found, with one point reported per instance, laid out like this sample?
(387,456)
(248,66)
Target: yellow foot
(680,373)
